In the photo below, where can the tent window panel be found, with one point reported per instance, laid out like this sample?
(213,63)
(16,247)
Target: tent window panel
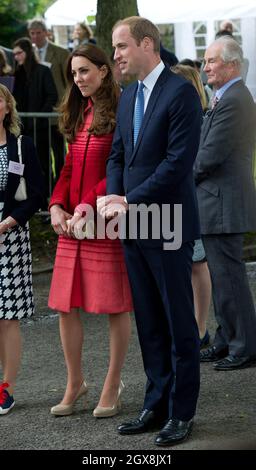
(200,54)
(200,32)
(199,27)
(200,42)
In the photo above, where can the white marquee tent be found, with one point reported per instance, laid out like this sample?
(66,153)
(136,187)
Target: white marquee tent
(171,11)
(66,12)
(183,13)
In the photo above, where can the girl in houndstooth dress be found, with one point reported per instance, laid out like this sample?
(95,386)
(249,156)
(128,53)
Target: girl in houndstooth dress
(16,295)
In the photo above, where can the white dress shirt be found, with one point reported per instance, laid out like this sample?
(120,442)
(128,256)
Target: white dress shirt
(150,81)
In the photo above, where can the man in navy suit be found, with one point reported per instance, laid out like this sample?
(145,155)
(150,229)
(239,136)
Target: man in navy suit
(153,165)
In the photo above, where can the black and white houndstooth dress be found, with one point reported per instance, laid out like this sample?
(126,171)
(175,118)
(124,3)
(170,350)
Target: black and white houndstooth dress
(16,294)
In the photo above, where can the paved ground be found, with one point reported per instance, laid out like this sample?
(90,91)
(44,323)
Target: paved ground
(226,410)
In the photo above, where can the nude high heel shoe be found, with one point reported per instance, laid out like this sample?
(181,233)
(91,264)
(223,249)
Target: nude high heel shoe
(108,411)
(65,410)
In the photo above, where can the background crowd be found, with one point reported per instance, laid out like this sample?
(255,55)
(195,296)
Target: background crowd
(197,152)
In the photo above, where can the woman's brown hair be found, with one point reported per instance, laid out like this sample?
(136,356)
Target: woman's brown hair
(31,60)
(73,104)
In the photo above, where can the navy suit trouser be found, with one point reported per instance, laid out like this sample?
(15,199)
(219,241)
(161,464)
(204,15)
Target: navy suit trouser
(167,329)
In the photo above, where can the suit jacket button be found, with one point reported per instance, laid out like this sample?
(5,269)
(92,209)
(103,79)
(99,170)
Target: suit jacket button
(130,168)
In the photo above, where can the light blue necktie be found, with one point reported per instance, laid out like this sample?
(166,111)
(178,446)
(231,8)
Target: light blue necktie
(138,112)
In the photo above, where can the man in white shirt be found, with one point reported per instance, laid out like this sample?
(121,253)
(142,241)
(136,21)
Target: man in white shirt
(151,162)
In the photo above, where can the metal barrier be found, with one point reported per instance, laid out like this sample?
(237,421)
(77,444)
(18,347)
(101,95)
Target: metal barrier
(50,116)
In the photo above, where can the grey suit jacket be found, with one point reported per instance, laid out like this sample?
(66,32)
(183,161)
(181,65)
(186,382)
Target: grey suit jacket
(223,168)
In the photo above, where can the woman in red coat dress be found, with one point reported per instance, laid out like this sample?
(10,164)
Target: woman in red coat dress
(89,273)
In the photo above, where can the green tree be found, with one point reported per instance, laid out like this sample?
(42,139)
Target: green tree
(108,12)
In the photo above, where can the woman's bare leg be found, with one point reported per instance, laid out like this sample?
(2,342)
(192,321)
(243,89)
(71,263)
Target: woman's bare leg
(119,335)
(11,347)
(71,333)
(202,288)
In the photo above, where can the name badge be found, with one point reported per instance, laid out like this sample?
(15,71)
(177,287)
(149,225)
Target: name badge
(16,168)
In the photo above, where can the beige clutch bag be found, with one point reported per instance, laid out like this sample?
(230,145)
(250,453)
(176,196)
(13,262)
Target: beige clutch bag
(84,229)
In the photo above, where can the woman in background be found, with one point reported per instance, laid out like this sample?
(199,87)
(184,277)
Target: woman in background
(192,75)
(34,91)
(201,280)
(82,34)
(6,75)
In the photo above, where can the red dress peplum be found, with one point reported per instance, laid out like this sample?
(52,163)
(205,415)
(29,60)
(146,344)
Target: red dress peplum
(90,274)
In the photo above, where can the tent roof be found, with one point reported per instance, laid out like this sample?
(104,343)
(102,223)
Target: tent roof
(166,11)
(68,12)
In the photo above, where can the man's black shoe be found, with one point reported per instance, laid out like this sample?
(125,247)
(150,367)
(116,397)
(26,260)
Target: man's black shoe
(173,432)
(235,362)
(212,355)
(145,421)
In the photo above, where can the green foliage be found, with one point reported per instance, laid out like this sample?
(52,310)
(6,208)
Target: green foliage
(167,36)
(43,240)
(4,5)
(90,19)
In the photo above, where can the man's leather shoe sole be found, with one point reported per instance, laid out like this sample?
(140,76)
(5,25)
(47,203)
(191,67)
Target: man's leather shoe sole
(136,430)
(146,421)
(234,362)
(174,432)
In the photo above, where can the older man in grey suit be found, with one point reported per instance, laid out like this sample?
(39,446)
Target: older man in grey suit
(227,204)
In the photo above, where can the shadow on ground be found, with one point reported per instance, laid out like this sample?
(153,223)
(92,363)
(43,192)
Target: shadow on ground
(226,408)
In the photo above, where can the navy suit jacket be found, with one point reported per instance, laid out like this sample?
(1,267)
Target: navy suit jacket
(159,168)
(22,211)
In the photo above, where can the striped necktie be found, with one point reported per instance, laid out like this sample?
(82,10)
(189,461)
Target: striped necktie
(215,101)
(138,112)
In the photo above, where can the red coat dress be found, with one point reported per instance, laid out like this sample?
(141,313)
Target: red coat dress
(90,274)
